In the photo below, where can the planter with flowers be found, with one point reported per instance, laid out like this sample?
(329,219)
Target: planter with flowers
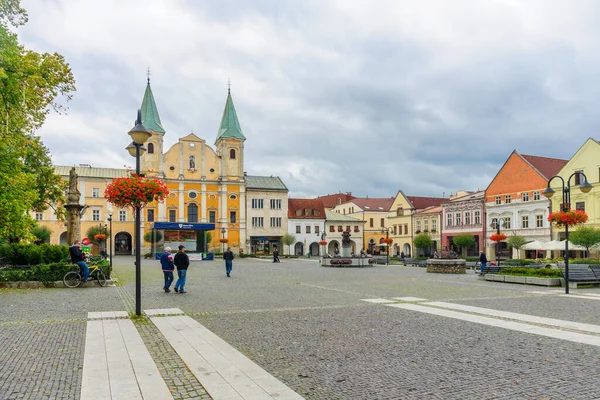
(568,218)
(323,242)
(223,240)
(498,237)
(99,237)
(135,191)
(387,241)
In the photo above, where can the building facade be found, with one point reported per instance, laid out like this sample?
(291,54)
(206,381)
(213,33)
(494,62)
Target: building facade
(427,221)
(335,225)
(464,214)
(306,221)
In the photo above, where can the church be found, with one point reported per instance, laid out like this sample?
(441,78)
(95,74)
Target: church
(207,186)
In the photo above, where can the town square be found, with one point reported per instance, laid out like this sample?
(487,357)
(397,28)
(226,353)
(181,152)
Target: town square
(272,200)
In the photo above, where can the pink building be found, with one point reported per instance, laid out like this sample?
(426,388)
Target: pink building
(464,214)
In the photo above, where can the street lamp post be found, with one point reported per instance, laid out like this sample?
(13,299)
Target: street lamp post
(110,250)
(585,187)
(387,236)
(323,236)
(139,134)
(497,227)
(223,230)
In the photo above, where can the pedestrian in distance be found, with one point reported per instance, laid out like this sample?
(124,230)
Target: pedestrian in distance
(166,261)
(228,257)
(276,255)
(182,262)
(78,257)
(483,261)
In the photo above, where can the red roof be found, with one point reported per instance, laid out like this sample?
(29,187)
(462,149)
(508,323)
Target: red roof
(420,203)
(331,200)
(547,166)
(317,211)
(374,204)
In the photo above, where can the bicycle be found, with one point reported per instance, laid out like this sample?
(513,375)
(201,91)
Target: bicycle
(73,279)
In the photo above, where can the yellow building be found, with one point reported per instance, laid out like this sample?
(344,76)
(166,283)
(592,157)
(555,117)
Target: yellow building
(587,161)
(206,185)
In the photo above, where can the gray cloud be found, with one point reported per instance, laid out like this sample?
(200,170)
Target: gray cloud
(368,97)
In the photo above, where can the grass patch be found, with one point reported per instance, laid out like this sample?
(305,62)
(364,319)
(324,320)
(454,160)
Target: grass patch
(536,272)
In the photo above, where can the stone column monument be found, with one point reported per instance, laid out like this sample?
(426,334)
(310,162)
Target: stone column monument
(74,209)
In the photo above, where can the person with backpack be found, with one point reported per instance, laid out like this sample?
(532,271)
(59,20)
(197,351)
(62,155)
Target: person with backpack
(78,257)
(166,261)
(228,257)
(182,262)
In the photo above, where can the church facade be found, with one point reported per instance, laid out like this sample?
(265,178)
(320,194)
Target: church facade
(206,185)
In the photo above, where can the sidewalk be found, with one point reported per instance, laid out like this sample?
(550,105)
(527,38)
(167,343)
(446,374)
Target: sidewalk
(117,364)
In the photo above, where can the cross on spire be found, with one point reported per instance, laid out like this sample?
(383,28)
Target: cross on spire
(148,73)
(228,85)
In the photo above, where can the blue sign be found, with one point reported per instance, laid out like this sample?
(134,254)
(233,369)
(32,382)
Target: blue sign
(184,226)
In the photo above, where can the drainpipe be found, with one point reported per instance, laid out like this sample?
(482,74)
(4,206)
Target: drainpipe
(412,231)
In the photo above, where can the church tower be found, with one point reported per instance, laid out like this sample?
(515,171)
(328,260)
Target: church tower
(230,144)
(152,159)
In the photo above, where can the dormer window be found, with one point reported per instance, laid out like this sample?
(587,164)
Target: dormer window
(150,148)
(298,213)
(232,154)
(308,212)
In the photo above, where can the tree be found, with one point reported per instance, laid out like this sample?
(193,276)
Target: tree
(585,236)
(464,241)
(422,241)
(42,234)
(516,242)
(30,84)
(288,239)
(153,236)
(95,230)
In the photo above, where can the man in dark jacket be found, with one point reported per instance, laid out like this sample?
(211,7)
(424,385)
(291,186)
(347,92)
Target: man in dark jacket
(77,257)
(228,257)
(166,261)
(182,262)
(483,261)
(276,255)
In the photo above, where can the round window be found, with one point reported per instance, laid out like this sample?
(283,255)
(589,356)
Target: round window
(212,196)
(193,195)
(233,197)
(172,195)
(212,170)
(172,168)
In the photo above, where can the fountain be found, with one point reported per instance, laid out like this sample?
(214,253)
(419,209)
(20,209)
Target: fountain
(346,258)
(446,262)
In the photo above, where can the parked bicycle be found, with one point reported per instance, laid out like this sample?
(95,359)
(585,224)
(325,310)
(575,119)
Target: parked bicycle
(74,279)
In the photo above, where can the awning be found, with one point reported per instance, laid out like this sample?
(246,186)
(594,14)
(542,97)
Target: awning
(183,226)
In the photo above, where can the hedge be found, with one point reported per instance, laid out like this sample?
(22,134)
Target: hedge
(46,272)
(33,254)
(539,272)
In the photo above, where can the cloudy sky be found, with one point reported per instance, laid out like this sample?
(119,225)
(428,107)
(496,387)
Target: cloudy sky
(369,97)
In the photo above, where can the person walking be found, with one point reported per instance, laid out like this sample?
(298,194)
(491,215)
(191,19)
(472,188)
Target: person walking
(228,257)
(276,255)
(483,261)
(77,257)
(166,261)
(182,262)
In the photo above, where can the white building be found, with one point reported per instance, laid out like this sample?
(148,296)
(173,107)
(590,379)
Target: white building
(337,223)
(306,221)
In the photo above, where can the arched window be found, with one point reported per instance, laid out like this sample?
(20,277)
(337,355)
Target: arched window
(192,213)
(232,154)
(192,162)
(150,148)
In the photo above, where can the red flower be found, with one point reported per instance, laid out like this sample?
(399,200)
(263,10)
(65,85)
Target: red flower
(387,240)
(135,191)
(323,242)
(568,218)
(498,237)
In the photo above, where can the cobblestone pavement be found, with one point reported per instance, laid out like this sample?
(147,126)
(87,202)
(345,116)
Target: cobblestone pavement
(308,327)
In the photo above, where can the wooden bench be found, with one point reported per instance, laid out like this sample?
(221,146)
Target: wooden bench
(580,274)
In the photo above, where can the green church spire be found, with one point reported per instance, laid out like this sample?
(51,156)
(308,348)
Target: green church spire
(150,117)
(230,126)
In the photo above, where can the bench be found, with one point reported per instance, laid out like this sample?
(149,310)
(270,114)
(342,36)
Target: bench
(580,274)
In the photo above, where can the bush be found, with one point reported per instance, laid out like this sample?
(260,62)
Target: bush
(33,254)
(584,261)
(521,261)
(539,272)
(50,272)
(472,259)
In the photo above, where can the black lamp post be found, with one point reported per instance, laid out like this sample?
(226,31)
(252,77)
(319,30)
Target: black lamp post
(323,236)
(223,230)
(387,236)
(110,250)
(585,187)
(496,225)
(140,135)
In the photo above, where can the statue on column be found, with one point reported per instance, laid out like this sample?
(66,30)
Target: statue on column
(74,210)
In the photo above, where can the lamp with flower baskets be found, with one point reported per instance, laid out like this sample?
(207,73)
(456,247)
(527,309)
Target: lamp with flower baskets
(387,241)
(568,217)
(135,190)
(498,237)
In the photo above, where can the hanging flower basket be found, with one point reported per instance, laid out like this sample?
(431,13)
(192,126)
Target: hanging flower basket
(135,191)
(99,237)
(498,237)
(223,240)
(387,241)
(323,242)
(568,218)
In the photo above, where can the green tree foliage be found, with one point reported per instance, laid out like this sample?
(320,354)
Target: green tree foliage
(464,241)
(93,231)
(516,242)
(585,236)
(42,234)
(153,236)
(288,239)
(30,84)
(422,241)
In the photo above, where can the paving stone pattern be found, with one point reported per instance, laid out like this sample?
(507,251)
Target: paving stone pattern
(307,326)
